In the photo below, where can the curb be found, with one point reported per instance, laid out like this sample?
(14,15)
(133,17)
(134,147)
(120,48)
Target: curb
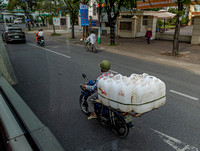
(6,68)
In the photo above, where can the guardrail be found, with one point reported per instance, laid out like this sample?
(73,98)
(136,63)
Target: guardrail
(19,126)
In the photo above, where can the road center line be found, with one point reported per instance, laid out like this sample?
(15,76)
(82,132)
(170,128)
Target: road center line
(185,95)
(50,50)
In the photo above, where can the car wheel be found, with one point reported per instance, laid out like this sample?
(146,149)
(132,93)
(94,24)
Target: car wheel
(7,41)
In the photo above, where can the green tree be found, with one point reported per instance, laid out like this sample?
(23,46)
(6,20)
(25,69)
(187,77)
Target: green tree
(2,6)
(52,7)
(19,4)
(41,8)
(131,4)
(182,4)
(112,8)
(73,6)
(14,4)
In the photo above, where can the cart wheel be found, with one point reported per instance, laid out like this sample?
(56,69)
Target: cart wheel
(120,127)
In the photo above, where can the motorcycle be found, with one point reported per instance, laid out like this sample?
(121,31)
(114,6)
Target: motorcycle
(118,121)
(41,41)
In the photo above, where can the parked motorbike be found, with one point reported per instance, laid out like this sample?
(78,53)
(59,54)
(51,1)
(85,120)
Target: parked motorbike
(118,121)
(41,41)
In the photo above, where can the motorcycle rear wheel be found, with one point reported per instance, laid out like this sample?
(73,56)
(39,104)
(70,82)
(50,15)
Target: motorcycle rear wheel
(120,127)
(83,105)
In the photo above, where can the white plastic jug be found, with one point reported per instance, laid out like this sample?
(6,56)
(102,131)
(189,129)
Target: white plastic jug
(138,93)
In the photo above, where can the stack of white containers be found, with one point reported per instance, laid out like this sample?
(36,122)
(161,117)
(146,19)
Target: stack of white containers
(138,93)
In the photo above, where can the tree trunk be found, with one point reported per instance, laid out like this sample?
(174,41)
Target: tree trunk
(73,29)
(177,29)
(42,21)
(54,30)
(112,33)
(176,37)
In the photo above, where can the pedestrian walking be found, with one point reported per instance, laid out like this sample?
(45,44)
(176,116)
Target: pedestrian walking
(148,35)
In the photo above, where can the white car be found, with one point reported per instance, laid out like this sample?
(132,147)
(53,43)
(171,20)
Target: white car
(18,21)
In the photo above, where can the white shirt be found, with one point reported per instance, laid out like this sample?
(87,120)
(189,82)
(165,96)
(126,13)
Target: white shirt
(92,38)
(41,34)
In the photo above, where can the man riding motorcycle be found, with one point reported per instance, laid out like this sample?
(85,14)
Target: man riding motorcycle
(105,67)
(39,34)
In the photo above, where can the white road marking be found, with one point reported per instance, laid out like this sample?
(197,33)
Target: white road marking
(50,50)
(175,143)
(114,72)
(185,95)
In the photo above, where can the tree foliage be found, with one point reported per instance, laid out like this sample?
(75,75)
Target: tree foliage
(72,7)
(16,4)
(19,4)
(179,12)
(113,8)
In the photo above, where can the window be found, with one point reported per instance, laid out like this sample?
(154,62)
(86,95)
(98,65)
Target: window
(125,25)
(145,20)
(14,30)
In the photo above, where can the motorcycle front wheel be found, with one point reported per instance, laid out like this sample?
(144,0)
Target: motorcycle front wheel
(83,105)
(120,127)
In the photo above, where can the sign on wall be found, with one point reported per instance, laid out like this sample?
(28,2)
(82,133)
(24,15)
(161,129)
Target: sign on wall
(84,15)
(94,23)
(56,21)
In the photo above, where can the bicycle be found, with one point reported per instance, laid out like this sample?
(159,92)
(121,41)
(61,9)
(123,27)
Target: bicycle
(87,47)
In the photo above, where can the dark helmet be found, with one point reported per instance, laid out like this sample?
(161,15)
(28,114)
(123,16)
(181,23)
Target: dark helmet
(105,65)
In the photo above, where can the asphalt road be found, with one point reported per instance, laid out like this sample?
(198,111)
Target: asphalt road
(49,79)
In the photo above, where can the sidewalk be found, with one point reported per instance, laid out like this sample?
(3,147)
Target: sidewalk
(158,51)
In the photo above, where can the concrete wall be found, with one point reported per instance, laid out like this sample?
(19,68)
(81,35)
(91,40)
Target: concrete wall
(138,30)
(125,34)
(196,31)
(182,38)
